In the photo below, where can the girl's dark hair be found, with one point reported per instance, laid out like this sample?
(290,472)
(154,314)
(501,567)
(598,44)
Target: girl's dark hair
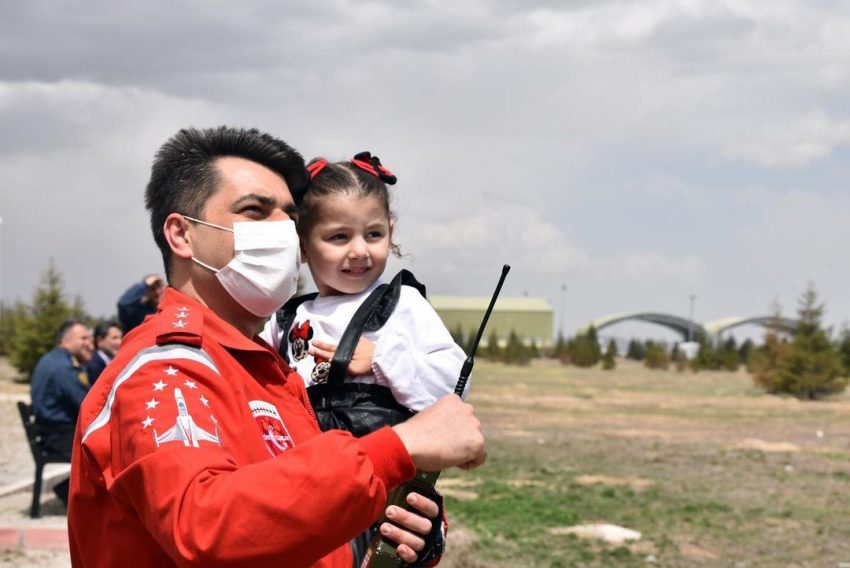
(184,176)
(340,178)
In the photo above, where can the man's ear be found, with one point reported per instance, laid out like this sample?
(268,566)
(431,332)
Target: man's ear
(177,235)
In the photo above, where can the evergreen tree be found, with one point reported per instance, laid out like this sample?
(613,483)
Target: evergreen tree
(560,346)
(458,336)
(727,357)
(809,366)
(635,351)
(493,351)
(35,332)
(763,362)
(843,349)
(708,358)
(656,356)
(566,351)
(585,351)
(609,361)
(744,351)
(516,353)
(10,321)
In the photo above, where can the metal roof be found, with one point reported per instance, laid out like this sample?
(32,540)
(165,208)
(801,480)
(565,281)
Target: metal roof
(480,303)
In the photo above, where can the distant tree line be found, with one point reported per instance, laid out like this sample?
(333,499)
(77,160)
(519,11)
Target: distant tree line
(28,330)
(514,352)
(809,365)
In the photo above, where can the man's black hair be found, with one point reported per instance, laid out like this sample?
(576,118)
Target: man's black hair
(101,330)
(65,327)
(184,176)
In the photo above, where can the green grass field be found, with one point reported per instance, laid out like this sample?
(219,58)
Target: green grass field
(711,471)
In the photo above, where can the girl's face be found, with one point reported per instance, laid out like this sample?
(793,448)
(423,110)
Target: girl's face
(348,245)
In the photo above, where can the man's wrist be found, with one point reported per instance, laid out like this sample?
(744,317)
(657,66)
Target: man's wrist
(389,456)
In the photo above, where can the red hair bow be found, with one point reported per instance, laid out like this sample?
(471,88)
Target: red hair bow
(372,164)
(316,167)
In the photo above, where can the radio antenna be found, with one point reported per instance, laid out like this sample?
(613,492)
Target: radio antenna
(466,370)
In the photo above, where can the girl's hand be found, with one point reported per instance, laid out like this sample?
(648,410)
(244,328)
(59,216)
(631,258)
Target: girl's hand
(361,361)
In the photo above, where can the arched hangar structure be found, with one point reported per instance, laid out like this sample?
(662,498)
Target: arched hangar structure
(717,327)
(686,328)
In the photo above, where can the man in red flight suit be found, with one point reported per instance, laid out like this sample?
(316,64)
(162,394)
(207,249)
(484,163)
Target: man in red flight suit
(197,445)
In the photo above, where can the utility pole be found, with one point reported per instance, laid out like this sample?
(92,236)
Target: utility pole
(563,294)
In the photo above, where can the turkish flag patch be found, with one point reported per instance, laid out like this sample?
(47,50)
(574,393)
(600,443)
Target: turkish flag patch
(271,425)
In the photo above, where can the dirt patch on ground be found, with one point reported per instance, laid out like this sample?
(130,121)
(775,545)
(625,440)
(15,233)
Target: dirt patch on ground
(634,483)
(765,446)
(690,550)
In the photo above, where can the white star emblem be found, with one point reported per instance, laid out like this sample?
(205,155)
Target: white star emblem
(182,314)
(213,419)
(147,422)
(159,386)
(183,309)
(170,371)
(204,401)
(179,323)
(151,403)
(190,384)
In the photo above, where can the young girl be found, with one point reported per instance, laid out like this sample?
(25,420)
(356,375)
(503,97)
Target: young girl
(345,226)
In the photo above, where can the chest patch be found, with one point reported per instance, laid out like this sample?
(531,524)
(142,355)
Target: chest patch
(272,428)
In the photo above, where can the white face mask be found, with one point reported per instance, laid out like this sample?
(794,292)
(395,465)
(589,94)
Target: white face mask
(263,273)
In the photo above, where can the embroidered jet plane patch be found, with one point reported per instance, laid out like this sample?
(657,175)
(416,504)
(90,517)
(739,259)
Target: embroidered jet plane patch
(185,428)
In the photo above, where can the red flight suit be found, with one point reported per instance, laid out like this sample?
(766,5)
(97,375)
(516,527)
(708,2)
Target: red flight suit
(198,447)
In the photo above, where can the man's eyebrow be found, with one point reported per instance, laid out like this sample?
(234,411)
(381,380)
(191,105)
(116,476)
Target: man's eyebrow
(289,207)
(264,199)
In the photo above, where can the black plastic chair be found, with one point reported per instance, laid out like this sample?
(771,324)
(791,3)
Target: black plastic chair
(41,455)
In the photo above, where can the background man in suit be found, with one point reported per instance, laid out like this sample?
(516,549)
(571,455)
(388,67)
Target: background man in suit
(107,340)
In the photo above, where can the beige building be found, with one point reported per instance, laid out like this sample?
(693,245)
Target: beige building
(530,318)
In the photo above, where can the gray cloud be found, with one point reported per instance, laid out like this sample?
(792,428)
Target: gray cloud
(637,151)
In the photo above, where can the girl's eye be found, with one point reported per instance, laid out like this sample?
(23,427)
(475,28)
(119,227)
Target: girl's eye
(338,237)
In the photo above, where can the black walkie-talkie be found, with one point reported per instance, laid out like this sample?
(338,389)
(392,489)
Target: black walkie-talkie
(382,552)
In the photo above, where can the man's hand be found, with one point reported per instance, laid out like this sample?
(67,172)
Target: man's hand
(361,360)
(155,286)
(444,435)
(410,541)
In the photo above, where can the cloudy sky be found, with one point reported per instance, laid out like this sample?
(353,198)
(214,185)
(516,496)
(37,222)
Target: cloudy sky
(635,151)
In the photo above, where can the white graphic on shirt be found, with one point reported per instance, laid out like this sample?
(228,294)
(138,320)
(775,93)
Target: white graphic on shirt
(151,404)
(272,428)
(185,430)
(147,422)
(179,323)
(159,386)
(190,385)
(170,371)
